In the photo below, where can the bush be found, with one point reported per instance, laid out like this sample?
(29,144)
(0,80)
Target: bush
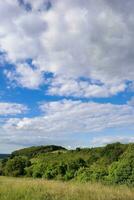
(83,174)
(72,168)
(50,173)
(122,172)
(98,172)
(16,166)
(29,171)
(38,170)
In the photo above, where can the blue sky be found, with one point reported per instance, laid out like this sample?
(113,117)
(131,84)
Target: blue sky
(66,73)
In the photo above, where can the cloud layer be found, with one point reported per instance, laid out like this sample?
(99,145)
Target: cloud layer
(110,139)
(63,119)
(12,109)
(92,39)
(71,49)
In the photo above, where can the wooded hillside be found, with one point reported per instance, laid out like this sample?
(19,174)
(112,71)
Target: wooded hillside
(113,163)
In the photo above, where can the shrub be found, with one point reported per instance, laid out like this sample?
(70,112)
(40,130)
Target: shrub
(16,166)
(83,174)
(122,172)
(98,172)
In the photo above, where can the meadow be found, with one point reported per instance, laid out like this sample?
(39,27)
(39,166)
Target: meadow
(39,189)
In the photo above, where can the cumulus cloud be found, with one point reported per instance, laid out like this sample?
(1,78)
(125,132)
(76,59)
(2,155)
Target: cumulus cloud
(12,108)
(87,46)
(62,120)
(93,39)
(26,76)
(99,141)
(64,86)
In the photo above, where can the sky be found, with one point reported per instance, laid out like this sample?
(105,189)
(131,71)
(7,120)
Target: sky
(66,73)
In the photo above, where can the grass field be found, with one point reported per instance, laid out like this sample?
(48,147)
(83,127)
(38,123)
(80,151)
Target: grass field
(31,189)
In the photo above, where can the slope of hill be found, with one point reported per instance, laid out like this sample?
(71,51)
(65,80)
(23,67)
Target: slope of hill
(113,163)
(34,150)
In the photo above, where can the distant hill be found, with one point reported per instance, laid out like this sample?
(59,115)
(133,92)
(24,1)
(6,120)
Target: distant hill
(2,156)
(36,150)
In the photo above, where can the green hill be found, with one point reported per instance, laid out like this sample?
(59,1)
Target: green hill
(34,150)
(112,164)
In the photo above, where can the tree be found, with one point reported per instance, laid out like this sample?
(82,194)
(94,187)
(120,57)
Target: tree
(83,174)
(16,166)
(122,172)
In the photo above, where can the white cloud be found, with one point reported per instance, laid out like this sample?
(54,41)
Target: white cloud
(12,108)
(26,76)
(89,39)
(64,118)
(99,141)
(131,102)
(92,39)
(64,86)
(62,122)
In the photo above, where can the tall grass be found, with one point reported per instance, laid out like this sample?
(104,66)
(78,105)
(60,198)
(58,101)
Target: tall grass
(37,189)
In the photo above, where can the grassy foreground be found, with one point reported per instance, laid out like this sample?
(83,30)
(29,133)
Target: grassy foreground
(31,189)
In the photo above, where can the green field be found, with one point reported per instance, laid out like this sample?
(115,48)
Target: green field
(39,189)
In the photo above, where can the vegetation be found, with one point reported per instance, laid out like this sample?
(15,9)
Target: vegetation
(112,164)
(32,151)
(39,189)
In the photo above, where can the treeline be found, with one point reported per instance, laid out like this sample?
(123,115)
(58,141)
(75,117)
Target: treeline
(113,163)
(36,150)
